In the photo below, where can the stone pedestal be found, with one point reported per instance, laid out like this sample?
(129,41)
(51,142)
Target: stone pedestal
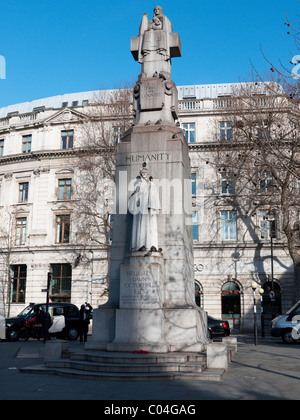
(54,349)
(217,356)
(152,298)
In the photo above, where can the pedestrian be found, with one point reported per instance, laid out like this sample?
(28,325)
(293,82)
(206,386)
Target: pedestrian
(84,321)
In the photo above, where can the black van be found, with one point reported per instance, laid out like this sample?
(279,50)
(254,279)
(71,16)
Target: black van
(68,310)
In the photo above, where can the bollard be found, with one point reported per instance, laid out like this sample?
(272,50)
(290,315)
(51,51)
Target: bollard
(230,341)
(54,349)
(217,356)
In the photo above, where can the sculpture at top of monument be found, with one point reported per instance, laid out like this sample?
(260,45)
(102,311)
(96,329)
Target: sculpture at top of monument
(151,39)
(155,95)
(144,205)
(156,44)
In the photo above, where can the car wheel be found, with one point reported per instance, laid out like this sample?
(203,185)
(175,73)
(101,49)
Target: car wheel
(287,337)
(73,334)
(12,335)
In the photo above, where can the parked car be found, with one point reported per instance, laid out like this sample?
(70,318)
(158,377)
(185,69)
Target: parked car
(217,327)
(68,310)
(283,325)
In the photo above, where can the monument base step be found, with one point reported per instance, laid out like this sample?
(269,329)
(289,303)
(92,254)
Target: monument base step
(95,365)
(208,374)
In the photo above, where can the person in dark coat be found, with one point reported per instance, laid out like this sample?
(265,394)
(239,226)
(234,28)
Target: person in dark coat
(84,321)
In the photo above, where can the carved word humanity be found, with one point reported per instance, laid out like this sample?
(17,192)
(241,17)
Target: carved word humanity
(159,157)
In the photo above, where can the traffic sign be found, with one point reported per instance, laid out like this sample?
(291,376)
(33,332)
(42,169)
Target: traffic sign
(272,295)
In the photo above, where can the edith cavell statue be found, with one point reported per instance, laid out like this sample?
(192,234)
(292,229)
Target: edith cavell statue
(151,302)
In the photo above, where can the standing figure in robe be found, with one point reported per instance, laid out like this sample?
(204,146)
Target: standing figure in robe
(154,43)
(144,205)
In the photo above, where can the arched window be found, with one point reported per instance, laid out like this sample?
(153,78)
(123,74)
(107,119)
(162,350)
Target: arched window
(271,306)
(198,294)
(231,301)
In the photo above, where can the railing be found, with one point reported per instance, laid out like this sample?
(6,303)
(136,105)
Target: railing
(222,103)
(4,121)
(204,104)
(19,119)
(190,105)
(226,103)
(29,117)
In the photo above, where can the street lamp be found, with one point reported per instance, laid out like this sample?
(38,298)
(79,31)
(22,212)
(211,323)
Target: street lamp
(272,222)
(254,286)
(46,320)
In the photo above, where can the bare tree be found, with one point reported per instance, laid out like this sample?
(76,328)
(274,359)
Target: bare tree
(93,188)
(7,243)
(258,158)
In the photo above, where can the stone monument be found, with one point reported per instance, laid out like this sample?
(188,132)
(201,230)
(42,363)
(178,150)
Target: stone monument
(151,302)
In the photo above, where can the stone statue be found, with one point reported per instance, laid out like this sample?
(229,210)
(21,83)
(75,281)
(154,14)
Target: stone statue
(144,205)
(154,36)
(156,44)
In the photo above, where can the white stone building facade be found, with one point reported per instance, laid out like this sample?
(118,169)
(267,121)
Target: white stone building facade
(38,142)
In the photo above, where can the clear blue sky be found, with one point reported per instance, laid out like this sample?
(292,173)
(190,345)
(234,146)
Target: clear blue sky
(63,46)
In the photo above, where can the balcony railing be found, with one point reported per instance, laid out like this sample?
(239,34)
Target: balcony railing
(19,119)
(190,105)
(4,122)
(29,117)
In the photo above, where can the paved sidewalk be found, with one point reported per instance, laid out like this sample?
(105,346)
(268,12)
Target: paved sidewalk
(270,370)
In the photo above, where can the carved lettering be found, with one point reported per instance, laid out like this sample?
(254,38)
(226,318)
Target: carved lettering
(159,157)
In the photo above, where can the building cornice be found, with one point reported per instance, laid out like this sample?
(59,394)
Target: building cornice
(48,154)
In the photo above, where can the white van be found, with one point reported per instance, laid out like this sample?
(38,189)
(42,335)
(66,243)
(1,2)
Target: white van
(287,326)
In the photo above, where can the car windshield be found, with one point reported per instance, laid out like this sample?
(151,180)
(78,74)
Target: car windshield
(26,311)
(293,308)
(31,308)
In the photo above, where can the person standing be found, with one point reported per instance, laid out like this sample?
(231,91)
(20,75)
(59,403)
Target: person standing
(84,321)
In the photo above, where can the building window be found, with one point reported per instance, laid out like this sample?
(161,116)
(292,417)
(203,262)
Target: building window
(21,224)
(64,189)
(195,226)
(67,139)
(62,229)
(226,131)
(117,133)
(64,104)
(231,301)
(267,225)
(263,130)
(12,114)
(38,109)
(85,102)
(266,183)
(17,283)
(75,103)
(228,225)
(297,186)
(23,192)
(227,185)
(189,132)
(26,143)
(1,147)
(60,290)
(194,183)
